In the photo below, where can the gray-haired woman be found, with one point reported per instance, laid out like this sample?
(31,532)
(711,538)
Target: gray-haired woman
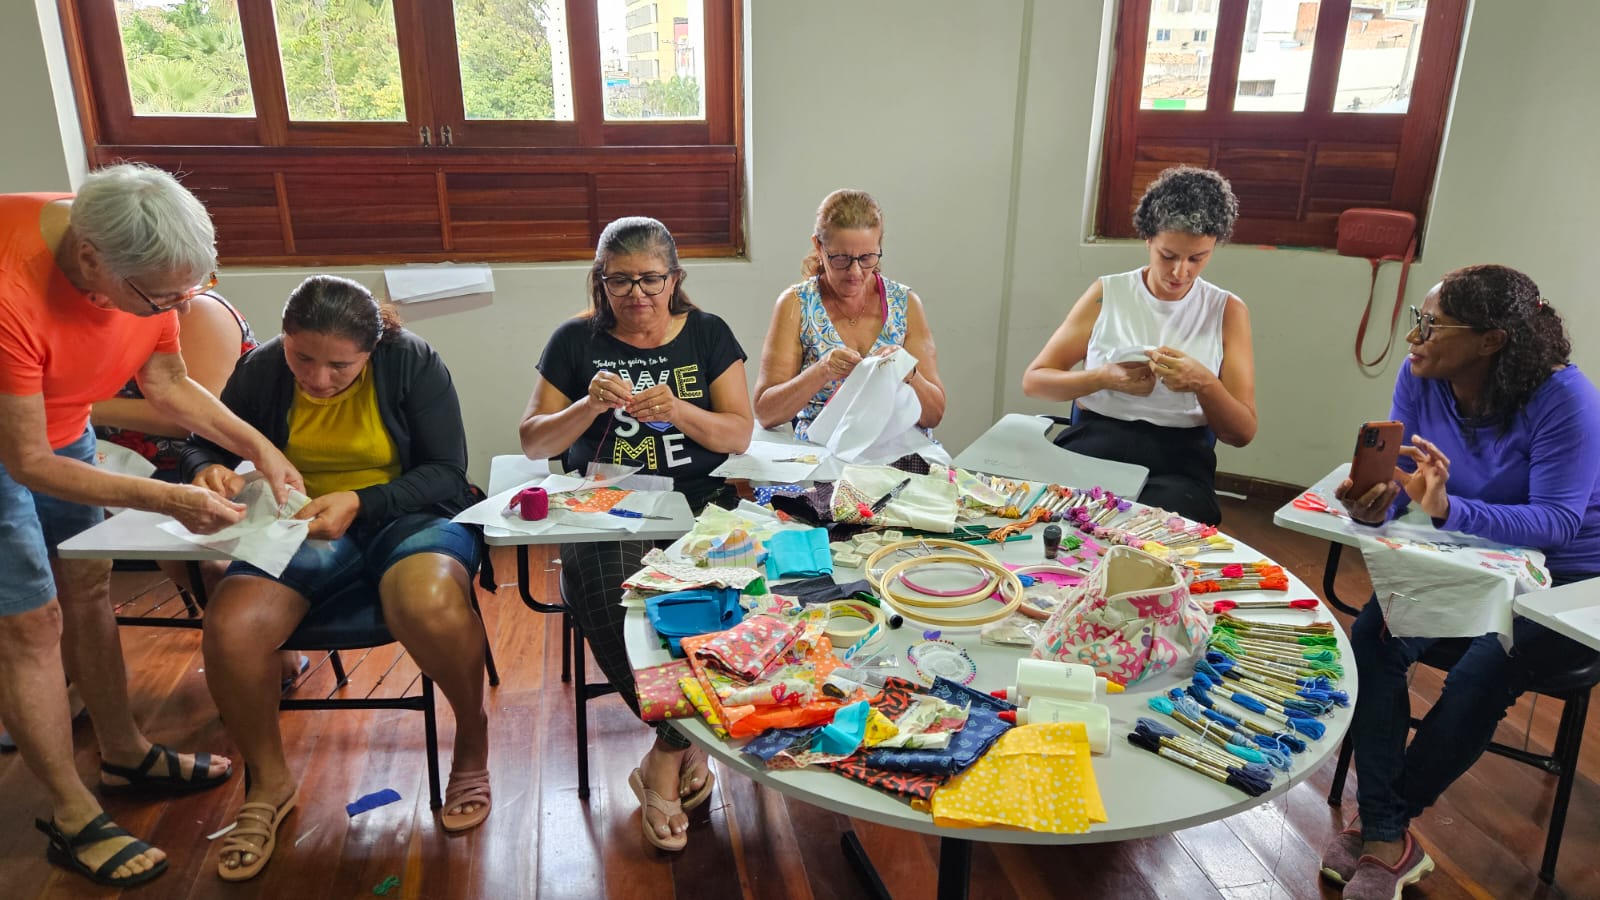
(90,285)
(1167,366)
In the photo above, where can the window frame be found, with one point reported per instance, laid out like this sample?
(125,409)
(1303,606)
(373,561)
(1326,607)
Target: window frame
(589,146)
(1244,144)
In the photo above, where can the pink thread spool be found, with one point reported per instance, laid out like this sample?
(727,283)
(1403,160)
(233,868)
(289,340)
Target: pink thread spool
(532,503)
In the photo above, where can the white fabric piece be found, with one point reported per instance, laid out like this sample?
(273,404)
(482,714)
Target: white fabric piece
(1440,584)
(120,460)
(928,503)
(770,462)
(267,537)
(497,511)
(872,417)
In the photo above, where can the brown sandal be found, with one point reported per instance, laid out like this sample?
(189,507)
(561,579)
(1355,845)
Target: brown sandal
(690,801)
(255,820)
(648,800)
(466,787)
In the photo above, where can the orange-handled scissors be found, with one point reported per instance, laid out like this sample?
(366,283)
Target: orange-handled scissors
(1313,502)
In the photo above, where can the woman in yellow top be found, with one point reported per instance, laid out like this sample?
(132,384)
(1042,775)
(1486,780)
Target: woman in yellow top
(369,412)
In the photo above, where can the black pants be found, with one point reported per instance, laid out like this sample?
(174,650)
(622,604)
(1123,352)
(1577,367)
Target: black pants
(1182,461)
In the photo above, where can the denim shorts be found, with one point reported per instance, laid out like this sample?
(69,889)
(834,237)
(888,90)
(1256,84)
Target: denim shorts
(31,525)
(326,572)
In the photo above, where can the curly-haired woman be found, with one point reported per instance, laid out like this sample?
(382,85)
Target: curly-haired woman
(1167,367)
(1505,431)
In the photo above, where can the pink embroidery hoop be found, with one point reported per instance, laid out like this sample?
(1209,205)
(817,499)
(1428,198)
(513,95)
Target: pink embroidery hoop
(985,584)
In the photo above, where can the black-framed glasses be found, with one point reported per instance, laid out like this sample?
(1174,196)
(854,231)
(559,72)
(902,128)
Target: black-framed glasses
(209,282)
(1424,324)
(621,285)
(843,261)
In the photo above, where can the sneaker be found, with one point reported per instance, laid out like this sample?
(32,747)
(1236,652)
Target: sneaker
(1373,880)
(1340,855)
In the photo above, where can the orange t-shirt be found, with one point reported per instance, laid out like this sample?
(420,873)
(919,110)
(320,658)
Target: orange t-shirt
(53,341)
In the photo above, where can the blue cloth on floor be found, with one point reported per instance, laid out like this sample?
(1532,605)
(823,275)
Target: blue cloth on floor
(797,553)
(983,728)
(682,614)
(372,801)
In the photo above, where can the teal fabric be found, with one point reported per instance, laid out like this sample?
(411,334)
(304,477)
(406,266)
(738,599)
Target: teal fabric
(844,734)
(682,614)
(796,553)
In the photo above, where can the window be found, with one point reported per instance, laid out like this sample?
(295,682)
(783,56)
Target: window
(352,131)
(1309,108)
(1201,35)
(1163,34)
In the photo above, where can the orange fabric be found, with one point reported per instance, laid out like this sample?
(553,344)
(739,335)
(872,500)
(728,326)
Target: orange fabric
(52,339)
(749,721)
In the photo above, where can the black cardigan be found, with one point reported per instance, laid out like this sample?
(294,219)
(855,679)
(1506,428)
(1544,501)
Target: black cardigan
(416,400)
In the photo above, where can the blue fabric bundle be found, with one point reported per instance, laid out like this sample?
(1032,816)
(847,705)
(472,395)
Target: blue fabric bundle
(798,553)
(682,614)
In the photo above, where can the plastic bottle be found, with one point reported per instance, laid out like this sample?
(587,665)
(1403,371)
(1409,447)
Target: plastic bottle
(1058,680)
(1095,718)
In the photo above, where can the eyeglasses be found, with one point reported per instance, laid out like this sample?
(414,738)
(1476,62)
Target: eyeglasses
(843,261)
(169,302)
(621,285)
(1424,325)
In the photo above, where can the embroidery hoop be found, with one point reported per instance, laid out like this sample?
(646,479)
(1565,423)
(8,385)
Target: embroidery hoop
(916,608)
(986,584)
(927,544)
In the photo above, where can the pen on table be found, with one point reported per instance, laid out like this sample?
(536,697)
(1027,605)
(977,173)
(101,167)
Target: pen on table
(1014,537)
(877,507)
(631,514)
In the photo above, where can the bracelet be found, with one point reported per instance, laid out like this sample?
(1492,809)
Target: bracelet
(1010,585)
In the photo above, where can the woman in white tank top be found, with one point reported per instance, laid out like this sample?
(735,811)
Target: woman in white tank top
(1158,360)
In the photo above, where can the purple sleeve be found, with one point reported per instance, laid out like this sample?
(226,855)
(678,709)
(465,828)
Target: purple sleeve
(1565,438)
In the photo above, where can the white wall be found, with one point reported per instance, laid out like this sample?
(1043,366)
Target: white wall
(974,125)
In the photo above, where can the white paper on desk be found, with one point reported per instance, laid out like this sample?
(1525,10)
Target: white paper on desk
(267,537)
(769,462)
(1428,593)
(420,283)
(496,511)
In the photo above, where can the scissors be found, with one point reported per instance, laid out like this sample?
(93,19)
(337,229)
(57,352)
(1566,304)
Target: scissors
(1313,502)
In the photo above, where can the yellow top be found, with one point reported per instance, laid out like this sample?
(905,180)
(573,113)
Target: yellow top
(339,443)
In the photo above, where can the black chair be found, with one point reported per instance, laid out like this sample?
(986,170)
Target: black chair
(1571,687)
(360,626)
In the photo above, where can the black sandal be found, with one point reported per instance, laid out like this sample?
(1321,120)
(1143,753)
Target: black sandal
(142,778)
(63,852)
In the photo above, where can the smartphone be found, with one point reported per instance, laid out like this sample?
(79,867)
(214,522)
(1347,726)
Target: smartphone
(1377,450)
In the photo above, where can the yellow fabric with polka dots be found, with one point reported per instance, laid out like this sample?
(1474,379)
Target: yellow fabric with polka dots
(1036,777)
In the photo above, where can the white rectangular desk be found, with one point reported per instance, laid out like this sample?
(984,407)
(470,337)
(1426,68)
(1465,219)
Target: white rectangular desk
(1016,447)
(1571,610)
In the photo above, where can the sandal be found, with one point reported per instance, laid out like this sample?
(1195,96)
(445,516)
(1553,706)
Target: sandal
(690,801)
(142,778)
(255,820)
(465,787)
(63,851)
(648,800)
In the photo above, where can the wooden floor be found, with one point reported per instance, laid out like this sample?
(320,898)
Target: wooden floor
(1486,833)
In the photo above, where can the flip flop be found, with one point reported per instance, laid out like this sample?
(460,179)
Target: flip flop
(466,787)
(648,800)
(260,820)
(63,851)
(143,778)
(690,801)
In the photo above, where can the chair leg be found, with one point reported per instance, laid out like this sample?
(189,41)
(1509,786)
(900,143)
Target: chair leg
(339,677)
(1569,738)
(580,696)
(1340,770)
(488,663)
(430,732)
(567,627)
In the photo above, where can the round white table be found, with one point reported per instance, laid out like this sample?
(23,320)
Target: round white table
(1144,795)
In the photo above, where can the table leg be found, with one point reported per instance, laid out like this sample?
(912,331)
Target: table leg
(955,867)
(1330,572)
(857,854)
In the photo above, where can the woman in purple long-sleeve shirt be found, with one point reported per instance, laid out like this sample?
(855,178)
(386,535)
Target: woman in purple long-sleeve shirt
(1504,431)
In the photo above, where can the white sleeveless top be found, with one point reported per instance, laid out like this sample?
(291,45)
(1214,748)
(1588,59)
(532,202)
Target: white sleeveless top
(1131,318)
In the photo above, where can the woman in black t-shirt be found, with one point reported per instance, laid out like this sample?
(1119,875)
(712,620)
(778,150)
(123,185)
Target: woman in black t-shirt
(644,378)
